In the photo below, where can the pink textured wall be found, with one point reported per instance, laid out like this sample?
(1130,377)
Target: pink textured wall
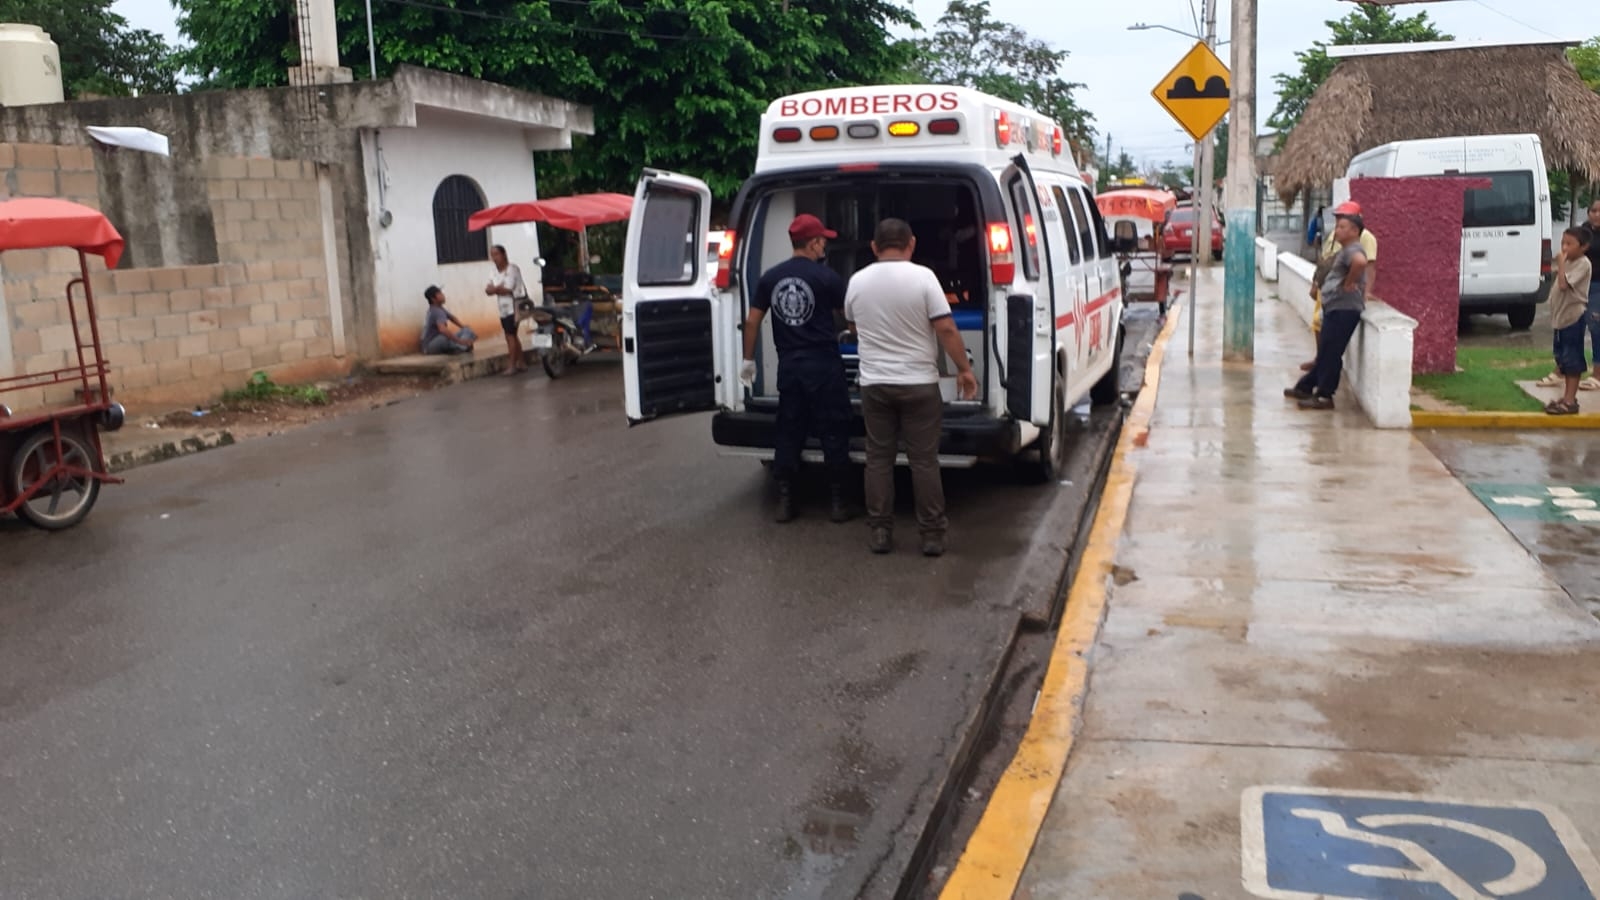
(1417,222)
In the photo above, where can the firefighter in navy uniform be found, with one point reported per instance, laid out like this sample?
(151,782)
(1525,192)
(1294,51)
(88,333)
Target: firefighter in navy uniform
(805,299)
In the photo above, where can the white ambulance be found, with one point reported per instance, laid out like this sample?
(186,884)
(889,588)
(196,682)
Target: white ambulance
(1000,213)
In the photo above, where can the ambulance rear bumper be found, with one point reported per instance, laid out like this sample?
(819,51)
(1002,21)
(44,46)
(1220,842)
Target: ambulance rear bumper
(964,440)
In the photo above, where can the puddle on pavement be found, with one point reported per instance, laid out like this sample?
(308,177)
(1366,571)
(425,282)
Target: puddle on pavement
(833,827)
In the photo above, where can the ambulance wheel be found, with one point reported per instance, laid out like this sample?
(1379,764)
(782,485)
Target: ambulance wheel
(64,501)
(1521,317)
(1052,442)
(1109,387)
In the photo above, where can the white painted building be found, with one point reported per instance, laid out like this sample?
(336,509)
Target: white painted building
(425,179)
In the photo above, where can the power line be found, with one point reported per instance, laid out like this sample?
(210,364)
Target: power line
(576,29)
(1511,18)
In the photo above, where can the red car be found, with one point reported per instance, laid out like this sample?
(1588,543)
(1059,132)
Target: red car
(1177,233)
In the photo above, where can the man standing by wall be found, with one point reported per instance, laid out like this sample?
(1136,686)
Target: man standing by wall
(1344,296)
(899,311)
(1329,249)
(804,296)
(507,289)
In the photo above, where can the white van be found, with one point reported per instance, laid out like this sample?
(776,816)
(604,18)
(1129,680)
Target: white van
(1000,212)
(1506,230)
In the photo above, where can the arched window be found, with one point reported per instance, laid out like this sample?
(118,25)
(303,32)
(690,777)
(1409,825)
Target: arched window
(454,202)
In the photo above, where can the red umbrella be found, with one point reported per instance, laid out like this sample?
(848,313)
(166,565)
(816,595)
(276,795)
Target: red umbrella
(573,213)
(34,223)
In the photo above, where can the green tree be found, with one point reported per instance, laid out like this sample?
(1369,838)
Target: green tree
(100,54)
(677,84)
(1116,170)
(969,47)
(1567,190)
(1586,59)
(1368,24)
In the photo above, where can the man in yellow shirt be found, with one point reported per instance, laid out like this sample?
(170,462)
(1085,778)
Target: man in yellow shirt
(1330,249)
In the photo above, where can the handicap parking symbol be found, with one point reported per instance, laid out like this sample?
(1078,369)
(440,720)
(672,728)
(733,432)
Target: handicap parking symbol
(1304,843)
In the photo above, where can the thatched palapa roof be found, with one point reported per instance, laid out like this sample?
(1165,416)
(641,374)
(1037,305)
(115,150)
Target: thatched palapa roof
(1374,98)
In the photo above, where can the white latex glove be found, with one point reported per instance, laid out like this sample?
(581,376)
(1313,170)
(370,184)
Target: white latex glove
(747,374)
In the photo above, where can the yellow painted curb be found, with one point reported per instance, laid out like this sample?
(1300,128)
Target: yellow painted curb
(1520,421)
(992,862)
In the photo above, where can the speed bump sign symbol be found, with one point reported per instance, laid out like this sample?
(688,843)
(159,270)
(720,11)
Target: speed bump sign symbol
(1196,92)
(1302,843)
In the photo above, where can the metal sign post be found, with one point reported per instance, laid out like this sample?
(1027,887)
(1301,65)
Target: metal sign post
(1197,93)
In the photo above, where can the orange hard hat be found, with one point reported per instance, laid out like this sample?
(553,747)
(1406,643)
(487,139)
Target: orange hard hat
(1347,208)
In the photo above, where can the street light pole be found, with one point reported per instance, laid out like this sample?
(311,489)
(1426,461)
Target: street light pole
(1239,286)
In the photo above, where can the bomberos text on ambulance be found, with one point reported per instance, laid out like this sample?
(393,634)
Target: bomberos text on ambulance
(862,105)
(1001,215)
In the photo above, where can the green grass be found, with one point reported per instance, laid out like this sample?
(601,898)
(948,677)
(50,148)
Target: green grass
(1488,377)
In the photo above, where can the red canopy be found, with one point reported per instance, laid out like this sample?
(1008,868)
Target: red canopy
(1139,203)
(572,213)
(35,223)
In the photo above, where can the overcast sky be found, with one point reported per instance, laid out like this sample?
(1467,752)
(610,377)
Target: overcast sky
(1120,66)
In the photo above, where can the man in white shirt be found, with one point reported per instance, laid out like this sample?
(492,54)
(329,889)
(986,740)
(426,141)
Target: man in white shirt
(507,288)
(901,318)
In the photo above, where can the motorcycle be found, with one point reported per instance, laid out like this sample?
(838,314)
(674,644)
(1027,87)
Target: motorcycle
(562,332)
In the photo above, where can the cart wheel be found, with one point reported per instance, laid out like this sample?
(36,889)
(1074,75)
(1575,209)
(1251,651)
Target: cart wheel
(68,498)
(554,359)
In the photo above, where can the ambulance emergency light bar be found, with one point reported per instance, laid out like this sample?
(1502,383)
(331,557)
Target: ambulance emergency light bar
(1007,130)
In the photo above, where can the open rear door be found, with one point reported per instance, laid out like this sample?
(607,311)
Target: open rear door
(669,334)
(1031,308)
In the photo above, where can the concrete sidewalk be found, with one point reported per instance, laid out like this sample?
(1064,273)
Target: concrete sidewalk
(1304,602)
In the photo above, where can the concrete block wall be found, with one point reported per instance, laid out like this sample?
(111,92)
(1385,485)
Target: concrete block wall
(182,334)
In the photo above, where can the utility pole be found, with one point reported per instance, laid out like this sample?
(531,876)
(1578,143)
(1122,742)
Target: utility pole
(1239,289)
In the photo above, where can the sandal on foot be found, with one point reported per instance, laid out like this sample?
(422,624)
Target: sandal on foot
(1561,408)
(1589,384)
(1554,379)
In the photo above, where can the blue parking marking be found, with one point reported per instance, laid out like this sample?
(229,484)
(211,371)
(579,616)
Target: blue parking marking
(1308,843)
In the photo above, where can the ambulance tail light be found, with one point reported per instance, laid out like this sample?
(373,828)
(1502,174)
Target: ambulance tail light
(1002,259)
(825,133)
(725,261)
(1002,130)
(1545,259)
(786,135)
(904,129)
(944,126)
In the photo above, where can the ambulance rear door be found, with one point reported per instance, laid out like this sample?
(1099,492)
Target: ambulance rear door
(1031,305)
(671,318)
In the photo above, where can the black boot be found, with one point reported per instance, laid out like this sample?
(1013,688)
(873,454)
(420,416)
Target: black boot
(785,511)
(838,507)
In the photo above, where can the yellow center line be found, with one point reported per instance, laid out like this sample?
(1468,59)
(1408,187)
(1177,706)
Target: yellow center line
(992,863)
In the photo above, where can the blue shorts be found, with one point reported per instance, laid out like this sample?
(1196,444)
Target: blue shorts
(1568,345)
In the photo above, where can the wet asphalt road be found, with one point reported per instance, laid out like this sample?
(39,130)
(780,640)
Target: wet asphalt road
(486,643)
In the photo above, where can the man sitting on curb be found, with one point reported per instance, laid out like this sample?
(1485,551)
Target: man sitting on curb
(436,336)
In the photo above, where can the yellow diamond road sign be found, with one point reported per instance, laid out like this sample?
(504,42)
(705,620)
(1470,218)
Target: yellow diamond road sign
(1196,91)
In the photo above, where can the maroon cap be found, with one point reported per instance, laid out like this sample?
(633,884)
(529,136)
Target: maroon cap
(806,226)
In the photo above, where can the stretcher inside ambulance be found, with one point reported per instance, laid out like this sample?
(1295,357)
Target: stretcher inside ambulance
(1000,214)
